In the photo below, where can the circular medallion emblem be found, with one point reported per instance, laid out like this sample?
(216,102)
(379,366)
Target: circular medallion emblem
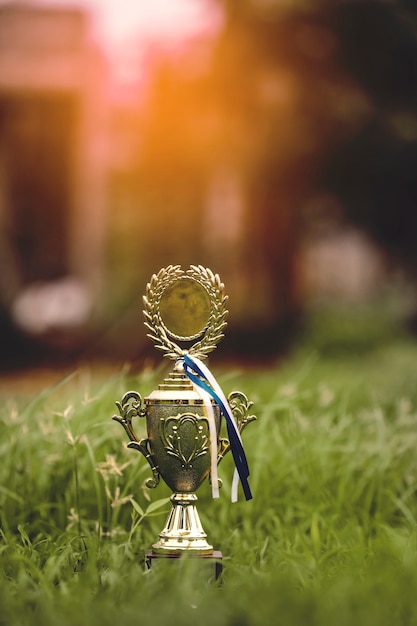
(185,306)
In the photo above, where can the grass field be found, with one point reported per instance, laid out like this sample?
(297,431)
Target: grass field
(329,538)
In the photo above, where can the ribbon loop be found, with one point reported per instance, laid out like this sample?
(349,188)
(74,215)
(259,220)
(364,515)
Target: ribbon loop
(203,380)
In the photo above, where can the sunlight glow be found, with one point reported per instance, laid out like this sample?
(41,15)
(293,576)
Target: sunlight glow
(125,29)
(117,21)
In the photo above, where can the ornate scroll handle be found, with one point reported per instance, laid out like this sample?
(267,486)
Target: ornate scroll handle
(240,407)
(129,407)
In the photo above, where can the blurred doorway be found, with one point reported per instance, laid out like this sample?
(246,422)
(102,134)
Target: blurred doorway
(36,144)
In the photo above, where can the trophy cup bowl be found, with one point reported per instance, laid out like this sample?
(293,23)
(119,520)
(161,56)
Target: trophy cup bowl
(179,308)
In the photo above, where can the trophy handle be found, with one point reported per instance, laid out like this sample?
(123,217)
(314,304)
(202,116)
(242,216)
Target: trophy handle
(129,407)
(240,407)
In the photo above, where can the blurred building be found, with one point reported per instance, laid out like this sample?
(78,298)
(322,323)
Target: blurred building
(214,157)
(52,168)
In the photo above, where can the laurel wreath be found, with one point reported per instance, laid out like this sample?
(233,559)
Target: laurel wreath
(159,333)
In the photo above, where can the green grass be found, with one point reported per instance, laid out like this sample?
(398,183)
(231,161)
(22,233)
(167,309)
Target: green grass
(329,538)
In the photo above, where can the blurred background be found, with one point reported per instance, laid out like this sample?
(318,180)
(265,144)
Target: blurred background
(274,141)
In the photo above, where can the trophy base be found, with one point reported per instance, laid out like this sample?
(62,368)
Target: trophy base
(183,531)
(213,560)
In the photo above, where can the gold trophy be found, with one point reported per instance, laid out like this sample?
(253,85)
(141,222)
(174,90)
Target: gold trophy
(185,313)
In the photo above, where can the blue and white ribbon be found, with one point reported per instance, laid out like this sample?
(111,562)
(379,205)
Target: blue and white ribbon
(207,387)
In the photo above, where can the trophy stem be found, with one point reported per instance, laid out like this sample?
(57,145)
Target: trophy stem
(183,530)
